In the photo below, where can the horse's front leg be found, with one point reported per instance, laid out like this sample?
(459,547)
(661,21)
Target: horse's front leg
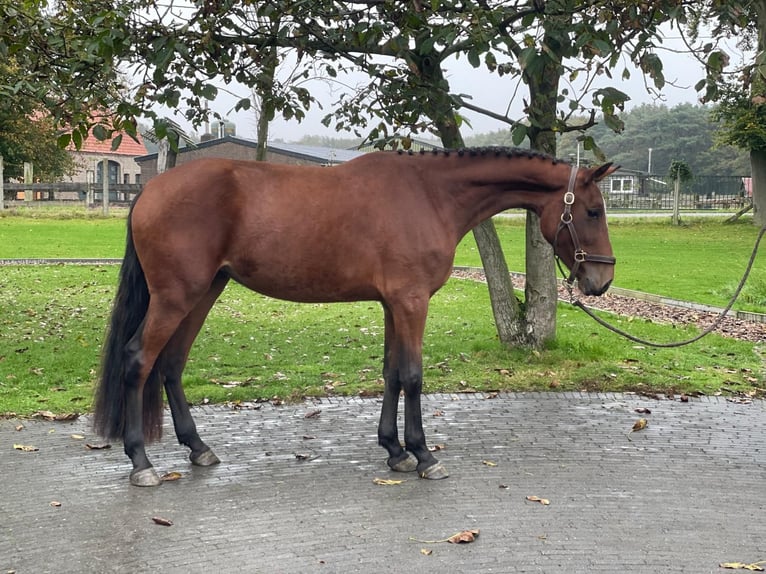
(404,370)
(411,374)
(388,435)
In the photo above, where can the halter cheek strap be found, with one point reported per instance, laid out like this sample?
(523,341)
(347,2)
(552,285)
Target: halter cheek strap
(580,255)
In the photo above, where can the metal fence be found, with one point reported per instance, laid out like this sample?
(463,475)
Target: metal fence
(655,192)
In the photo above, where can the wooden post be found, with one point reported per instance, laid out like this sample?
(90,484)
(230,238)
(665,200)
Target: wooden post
(2,191)
(105,187)
(28,170)
(676,200)
(90,195)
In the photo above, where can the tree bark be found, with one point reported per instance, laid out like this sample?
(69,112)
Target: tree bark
(506,310)
(541,292)
(758,172)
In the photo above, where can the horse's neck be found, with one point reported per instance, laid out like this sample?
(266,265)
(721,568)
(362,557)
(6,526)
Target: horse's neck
(480,187)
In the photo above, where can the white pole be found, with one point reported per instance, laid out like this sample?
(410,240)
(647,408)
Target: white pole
(29,195)
(105,187)
(649,170)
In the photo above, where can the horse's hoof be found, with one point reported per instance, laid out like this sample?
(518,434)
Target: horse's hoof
(145,477)
(434,472)
(409,464)
(205,458)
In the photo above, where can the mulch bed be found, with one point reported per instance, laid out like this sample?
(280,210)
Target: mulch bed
(631,307)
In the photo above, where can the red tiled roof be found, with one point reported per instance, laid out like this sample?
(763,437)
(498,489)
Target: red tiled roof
(128,146)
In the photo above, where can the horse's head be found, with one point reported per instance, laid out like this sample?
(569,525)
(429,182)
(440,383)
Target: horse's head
(576,222)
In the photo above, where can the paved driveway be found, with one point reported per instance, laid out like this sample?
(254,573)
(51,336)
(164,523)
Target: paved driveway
(683,495)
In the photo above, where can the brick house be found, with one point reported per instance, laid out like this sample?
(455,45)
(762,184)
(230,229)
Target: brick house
(122,166)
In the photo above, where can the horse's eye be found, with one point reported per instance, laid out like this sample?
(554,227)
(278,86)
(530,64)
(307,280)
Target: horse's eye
(594,213)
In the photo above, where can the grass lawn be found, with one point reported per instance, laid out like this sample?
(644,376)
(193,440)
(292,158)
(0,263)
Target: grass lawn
(52,321)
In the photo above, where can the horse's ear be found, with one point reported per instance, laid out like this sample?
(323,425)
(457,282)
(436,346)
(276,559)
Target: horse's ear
(603,171)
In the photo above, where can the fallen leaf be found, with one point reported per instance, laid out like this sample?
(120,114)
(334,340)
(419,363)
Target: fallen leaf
(312,414)
(503,486)
(754,567)
(25,448)
(436,447)
(644,411)
(488,463)
(426,551)
(19,427)
(171,476)
(543,501)
(98,446)
(639,425)
(438,413)
(55,503)
(460,537)
(49,416)
(77,436)
(386,481)
(463,537)
(162,521)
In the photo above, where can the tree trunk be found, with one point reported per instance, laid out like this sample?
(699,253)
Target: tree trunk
(758,171)
(505,307)
(541,292)
(509,321)
(758,157)
(264,91)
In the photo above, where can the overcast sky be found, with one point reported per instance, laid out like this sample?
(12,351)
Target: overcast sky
(488,91)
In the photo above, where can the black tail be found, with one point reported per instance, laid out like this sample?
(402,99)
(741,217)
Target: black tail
(129,310)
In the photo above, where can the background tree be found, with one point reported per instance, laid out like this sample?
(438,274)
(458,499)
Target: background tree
(180,55)
(740,89)
(679,172)
(28,135)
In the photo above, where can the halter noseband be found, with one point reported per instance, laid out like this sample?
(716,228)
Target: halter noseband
(580,255)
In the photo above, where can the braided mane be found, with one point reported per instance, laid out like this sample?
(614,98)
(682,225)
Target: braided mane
(497,151)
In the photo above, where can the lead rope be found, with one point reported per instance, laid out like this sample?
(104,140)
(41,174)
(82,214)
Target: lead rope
(577,303)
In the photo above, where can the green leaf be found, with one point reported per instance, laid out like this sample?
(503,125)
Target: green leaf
(243,104)
(518,134)
(116,142)
(100,132)
(77,138)
(64,140)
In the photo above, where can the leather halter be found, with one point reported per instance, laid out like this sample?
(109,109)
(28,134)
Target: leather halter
(580,255)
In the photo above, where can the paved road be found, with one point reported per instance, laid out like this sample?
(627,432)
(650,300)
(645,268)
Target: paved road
(683,495)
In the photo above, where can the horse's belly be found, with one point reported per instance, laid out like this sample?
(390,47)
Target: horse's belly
(319,287)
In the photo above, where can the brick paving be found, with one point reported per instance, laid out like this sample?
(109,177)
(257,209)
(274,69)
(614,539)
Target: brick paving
(683,495)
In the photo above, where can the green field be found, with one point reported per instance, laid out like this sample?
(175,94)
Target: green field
(52,320)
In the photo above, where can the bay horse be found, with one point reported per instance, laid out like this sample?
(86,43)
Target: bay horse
(382,227)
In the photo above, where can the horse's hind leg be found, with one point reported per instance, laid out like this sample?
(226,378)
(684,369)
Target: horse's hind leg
(143,392)
(173,362)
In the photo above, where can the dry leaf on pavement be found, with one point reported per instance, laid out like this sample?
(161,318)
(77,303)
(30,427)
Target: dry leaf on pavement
(639,425)
(162,521)
(463,537)
(543,501)
(386,481)
(25,448)
(171,476)
(754,567)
